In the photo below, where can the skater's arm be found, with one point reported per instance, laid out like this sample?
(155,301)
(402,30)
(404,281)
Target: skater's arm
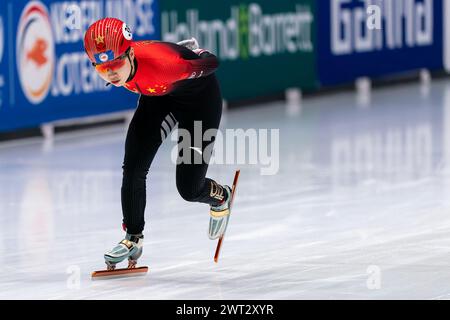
(206,65)
(192,64)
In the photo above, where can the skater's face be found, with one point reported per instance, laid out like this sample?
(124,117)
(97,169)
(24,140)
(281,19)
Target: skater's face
(118,70)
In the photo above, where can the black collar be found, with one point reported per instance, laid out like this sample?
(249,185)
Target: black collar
(133,72)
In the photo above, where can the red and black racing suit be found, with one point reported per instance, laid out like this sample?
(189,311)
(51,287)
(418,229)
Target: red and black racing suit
(175,85)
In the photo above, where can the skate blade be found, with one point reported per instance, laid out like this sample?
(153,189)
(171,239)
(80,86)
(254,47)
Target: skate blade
(233,190)
(119,273)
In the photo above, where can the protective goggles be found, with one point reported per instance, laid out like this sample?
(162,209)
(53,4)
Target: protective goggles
(112,65)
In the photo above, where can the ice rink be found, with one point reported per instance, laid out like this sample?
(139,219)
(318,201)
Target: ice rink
(359,209)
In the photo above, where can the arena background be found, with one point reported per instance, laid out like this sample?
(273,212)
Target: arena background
(269,46)
(354,203)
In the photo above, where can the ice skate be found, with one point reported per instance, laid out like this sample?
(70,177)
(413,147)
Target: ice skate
(219,217)
(129,248)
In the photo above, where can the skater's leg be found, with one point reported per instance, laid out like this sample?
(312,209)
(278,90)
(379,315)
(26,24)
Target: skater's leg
(194,186)
(151,124)
(192,183)
(147,130)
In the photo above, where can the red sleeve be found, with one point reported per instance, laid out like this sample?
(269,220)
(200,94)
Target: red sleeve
(204,66)
(190,65)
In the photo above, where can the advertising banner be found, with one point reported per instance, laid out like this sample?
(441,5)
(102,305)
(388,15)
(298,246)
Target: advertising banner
(45,71)
(264,46)
(377,37)
(3,63)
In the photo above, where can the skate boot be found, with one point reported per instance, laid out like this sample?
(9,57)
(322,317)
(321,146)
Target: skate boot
(131,247)
(219,216)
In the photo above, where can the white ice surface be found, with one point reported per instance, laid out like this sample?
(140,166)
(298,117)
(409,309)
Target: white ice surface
(363,186)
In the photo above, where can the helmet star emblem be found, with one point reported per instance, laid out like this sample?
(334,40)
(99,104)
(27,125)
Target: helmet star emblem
(100,39)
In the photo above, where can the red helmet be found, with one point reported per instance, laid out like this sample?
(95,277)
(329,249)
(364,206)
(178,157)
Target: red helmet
(107,39)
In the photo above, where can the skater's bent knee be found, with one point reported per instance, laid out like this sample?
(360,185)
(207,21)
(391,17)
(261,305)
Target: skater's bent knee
(188,193)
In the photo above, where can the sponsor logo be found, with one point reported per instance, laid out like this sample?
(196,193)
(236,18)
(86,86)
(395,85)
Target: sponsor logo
(35,52)
(407,24)
(216,191)
(104,56)
(73,70)
(138,14)
(248,32)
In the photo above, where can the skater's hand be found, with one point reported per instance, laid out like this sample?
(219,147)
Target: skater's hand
(191,44)
(201,51)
